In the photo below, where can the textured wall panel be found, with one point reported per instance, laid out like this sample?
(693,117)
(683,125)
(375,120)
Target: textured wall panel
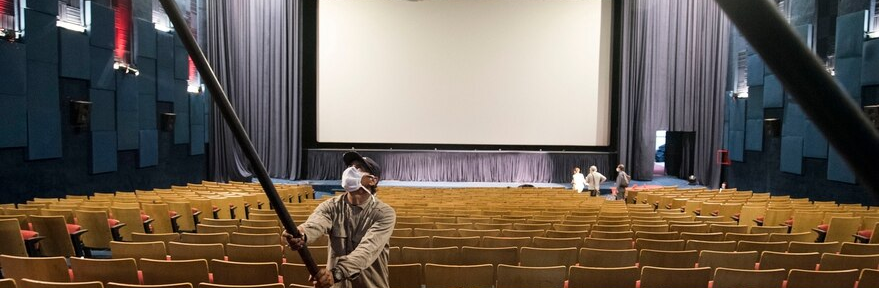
(181,108)
(102,76)
(13,121)
(127,127)
(45,6)
(773,93)
(43,111)
(148,154)
(737,145)
(755,71)
(101,28)
(815,144)
(837,169)
(103,110)
(147,111)
(41,35)
(794,120)
(754,135)
(146,38)
(104,152)
(181,63)
(143,10)
(792,154)
(13,68)
(737,114)
(196,110)
(75,51)
(848,74)
(850,30)
(870,62)
(196,142)
(755,103)
(146,81)
(165,67)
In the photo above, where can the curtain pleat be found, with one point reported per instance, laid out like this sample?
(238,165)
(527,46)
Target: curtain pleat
(255,50)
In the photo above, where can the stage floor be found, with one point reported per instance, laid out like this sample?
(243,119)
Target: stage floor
(330,185)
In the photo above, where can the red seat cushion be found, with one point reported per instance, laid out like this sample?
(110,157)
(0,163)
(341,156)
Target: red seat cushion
(144,217)
(737,215)
(72,228)
(172,213)
(823,227)
(28,234)
(789,222)
(195,210)
(715,213)
(112,222)
(866,233)
(760,218)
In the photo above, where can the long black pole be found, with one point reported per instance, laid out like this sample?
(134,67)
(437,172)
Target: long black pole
(838,117)
(225,108)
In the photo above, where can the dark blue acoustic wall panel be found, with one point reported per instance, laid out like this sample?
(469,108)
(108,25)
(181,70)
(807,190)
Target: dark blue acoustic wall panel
(737,125)
(102,74)
(146,81)
(754,115)
(13,121)
(181,63)
(127,126)
(45,6)
(165,67)
(148,154)
(815,143)
(143,10)
(103,110)
(43,111)
(41,35)
(737,145)
(104,157)
(755,71)
(146,38)
(75,52)
(102,25)
(181,108)
(13,68)
(196,119)
(208,102)
(792,154)
(870,62)
(837,169)
(794,120)
(848,74)
(850,29)
(773,93)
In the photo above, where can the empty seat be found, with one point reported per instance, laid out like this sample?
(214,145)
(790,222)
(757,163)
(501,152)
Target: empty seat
(727,246)
(28,283)
(104,270)
(728,228)
(664,245)
(209,285)
(608,244)
(778,260)
(419,242)
(833,262)
(661,277)
(320,254)
(544,242)
(228,229)
(254,239)
(476,276)
(849,248)
(186,251)
(608,258)
(805,247)
(406,275)
(596,277)
(239,273)
(869,278)
(702,236)
(258,230)
(132,218)
(532,277)
(497,242)
(759,247)
(205,238)
(138,250)
(734,260)
(448,255)
(824,279)
(841,229)
(164,237)
(612,234)
(566,234)
(58,241)
(768,229)
(11,237)
(52,269)
(746,237)
(547,257)
(296,274)
(435,232)
(220,222)
(793,237)
(657,235)
(99,234)
(121,285)
(158,272)
(494,256)
(441,241)
(479,232)
(738,278)
(255,253)
(668,259)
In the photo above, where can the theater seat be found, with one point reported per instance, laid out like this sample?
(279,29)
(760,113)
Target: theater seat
(27,234)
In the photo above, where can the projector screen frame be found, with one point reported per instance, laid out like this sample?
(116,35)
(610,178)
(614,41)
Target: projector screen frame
(310,81)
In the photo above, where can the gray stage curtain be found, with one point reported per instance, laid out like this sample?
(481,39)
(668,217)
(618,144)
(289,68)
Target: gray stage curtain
(464,166)
(255,51)
(674,59)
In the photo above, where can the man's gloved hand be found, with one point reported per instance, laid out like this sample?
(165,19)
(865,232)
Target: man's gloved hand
(293,242)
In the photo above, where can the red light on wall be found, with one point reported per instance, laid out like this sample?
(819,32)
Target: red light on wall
(192,71)
(6,7)
(122,10)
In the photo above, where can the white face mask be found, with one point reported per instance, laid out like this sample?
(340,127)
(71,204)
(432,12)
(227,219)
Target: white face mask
(351,180)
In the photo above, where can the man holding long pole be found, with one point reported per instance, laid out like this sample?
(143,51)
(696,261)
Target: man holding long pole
(359,226)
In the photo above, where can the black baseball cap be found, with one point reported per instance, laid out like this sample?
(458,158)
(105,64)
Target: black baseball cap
(370,164)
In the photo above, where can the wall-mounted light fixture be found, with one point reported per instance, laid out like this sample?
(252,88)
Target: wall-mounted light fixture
(195,88)
(126,68)
(741,95)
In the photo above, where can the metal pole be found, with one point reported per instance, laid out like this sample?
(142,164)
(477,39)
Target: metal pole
(225,108)
(838,117)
